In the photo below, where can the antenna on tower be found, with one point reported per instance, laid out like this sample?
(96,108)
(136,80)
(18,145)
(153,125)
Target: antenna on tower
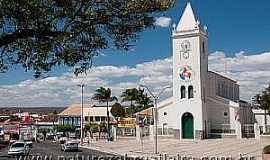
(226,67)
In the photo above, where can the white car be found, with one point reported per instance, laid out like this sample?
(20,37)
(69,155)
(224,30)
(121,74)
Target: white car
(29,143)
(18,149)
(70,146)
(62,140)
(59,134)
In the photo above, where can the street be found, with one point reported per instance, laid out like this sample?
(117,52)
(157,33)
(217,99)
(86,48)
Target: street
(53,152)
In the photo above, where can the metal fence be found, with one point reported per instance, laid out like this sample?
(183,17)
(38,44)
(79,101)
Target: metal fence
(222,128)
(126,132)
(248,131)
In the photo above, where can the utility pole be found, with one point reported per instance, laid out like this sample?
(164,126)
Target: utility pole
(156,97)
(82,87)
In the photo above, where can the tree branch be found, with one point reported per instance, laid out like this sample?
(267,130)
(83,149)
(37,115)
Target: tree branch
(27,33)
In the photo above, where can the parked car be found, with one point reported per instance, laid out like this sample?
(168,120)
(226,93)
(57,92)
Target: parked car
(59,134)
(62,140)
(50,136)
(70,146)
(18,149)
(29,143)
(72,136)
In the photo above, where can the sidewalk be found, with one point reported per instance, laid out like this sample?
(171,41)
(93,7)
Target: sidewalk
(172,147)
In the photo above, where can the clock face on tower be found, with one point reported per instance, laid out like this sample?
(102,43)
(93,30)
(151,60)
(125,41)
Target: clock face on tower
(185,45)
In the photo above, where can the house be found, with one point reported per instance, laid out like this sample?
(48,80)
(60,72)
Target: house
(91,113)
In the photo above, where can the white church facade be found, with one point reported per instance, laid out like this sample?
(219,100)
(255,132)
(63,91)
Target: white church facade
(204,103)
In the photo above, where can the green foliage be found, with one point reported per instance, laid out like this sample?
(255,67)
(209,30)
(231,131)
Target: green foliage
(104,95)
(130,95)
(44,130)
(41,34)
(263,99)
(266,149)
(103,127)
(92,127)
(141,99)
(118,110)
(64,128)
(14,118)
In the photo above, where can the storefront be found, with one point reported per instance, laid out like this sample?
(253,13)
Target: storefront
(126,127)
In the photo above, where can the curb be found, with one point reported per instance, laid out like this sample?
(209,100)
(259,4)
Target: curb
(98,149)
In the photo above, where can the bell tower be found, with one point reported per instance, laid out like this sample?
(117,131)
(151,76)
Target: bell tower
(190,68)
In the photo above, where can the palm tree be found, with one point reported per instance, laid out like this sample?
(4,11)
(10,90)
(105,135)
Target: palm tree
(130,95)
(144,101)
(104,95)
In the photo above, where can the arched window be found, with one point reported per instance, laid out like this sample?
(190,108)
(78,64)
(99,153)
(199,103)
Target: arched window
(190,92)
(183,92)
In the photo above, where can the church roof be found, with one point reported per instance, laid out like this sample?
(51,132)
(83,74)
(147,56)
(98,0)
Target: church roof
(188,20)
(89,110)
(223,76)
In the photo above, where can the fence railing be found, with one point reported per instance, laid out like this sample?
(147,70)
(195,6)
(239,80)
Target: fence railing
(222,128)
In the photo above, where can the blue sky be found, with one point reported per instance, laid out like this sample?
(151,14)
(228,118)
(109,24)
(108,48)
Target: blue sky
(240,26)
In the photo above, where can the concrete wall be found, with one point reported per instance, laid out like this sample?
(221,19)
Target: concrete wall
(218,85)
(218,114)
(259,119)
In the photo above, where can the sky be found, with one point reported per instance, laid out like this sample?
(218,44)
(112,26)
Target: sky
(238,32)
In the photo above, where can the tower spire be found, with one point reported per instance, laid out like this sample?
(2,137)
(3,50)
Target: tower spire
(188,20)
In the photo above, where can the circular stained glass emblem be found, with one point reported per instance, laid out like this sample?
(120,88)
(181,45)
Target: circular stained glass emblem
(186,73)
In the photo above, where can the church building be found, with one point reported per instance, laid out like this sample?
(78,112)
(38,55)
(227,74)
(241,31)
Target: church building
(204,103)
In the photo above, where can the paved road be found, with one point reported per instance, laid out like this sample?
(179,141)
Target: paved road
(53,150)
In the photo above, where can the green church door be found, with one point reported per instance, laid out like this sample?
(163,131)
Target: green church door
(187,126)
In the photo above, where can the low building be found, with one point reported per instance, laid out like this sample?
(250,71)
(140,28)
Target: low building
(262,118)
(91,113)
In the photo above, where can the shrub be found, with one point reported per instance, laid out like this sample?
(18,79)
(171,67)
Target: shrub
(266,149)
(64,128)
(93,127)
(267,133)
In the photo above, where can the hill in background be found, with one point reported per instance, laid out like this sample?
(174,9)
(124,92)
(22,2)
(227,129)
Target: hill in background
(38,110)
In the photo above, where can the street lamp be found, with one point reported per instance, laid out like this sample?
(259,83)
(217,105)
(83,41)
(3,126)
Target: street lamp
(155,97)
(82,86)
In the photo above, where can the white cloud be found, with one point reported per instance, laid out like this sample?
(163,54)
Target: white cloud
(251,71)
(163,21)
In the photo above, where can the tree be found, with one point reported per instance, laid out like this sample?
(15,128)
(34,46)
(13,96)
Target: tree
(39,35)
(144,102)
(263,100)
(92,128)
(64,128)
(104,95)
(118,110)
(141,99)
(130,95)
